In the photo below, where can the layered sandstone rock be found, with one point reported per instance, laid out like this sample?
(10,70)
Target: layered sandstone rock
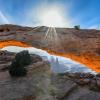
(81,45)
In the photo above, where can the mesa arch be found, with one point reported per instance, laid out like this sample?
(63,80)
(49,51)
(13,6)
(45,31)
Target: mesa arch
(89,60)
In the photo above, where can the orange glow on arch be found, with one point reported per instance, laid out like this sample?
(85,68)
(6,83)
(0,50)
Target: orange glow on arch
(13,43)
(90,60)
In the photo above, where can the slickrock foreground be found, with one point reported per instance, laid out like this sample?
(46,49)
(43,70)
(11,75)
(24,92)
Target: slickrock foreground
(41,84)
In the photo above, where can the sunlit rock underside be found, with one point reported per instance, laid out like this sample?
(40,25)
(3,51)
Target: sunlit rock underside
(58,64)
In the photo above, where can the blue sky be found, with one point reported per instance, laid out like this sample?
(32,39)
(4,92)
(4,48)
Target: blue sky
(76,12)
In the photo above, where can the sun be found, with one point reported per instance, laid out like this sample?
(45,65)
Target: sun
(52,17)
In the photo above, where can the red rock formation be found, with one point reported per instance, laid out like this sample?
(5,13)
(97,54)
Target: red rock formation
(80,45)
(13,43)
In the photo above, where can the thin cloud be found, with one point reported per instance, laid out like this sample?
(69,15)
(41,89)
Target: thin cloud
(94,27)
(3,18)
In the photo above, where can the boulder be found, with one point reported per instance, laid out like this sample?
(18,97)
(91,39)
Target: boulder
(34,85)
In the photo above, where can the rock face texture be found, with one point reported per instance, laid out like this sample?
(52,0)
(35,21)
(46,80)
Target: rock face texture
(41,84)
(34,86)
(81,45)
(71,87)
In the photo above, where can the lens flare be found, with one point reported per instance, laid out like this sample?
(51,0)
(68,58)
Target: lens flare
(52,17)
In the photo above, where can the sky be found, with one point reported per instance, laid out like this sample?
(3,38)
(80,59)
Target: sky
(64,13)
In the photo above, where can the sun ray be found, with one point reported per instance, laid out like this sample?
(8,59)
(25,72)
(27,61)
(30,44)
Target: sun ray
(55,35)
(51,34)
(31,31)
(46,34)
(36,28)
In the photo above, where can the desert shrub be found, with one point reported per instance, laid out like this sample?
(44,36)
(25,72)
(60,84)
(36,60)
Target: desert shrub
(77,27)
(17,67)
(23,58)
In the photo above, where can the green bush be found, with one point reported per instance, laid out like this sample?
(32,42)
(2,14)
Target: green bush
(17,68)
(77,27)
(23,57)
